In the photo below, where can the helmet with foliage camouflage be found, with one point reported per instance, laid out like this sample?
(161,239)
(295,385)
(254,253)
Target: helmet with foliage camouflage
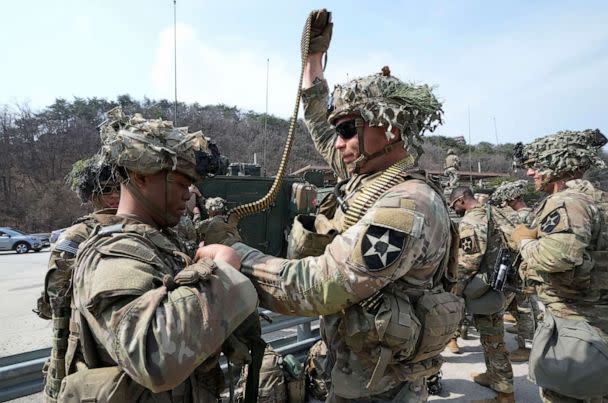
(508,191)
(562,153)
(451,151)
(89,176)
(214,204)
(385,101)
(148,146)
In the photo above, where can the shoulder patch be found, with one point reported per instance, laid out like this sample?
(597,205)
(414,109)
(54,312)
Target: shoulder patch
(380,247)
(555,221)
(469,244)
(67,245)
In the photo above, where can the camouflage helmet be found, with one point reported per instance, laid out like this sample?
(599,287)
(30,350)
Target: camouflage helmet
(89,176)
(214,204)
(508,191)
(451,151)
(562,153)
(385,101)
(148,146)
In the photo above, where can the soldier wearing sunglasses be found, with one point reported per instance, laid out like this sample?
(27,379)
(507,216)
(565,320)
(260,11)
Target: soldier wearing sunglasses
(382,248)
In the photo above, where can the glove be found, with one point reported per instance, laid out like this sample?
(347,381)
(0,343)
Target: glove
(320,31)
(522,232)
(196,272)
(219,230)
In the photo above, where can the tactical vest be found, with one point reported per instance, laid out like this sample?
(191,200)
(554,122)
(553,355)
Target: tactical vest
(410,326)
(92,375)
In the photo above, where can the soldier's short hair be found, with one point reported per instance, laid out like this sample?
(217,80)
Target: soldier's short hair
(461,192)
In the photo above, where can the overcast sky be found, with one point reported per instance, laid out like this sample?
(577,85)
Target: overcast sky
(536,67)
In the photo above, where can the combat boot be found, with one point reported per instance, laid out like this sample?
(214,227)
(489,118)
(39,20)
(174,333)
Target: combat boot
(520,355)
(512,329)
(507,317)
(501,397)
(453,346)
(482,378)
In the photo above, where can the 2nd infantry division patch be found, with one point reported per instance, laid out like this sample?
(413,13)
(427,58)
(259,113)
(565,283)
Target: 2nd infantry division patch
(468,245)
(381,247)
(550,222)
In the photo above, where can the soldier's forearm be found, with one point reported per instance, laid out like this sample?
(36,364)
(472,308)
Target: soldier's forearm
(313,70)
(550,255)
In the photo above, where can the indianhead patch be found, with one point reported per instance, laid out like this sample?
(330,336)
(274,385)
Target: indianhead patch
(550,222)
(381,247)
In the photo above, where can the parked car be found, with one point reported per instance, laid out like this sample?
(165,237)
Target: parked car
(44,239)
(12,239)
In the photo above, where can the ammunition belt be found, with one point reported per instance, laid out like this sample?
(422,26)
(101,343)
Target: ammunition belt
(392,176)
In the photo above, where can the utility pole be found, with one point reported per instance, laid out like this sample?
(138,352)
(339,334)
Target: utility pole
(470,145)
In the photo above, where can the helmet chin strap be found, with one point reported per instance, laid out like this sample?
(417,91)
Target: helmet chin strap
(152,207)
(365,157)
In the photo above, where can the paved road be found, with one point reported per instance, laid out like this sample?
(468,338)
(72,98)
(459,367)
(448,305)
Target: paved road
(21,280)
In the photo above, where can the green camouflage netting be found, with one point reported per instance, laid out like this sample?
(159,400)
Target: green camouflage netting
(563,152)
(508,191)
(149,145)
(385,101)
(89,176)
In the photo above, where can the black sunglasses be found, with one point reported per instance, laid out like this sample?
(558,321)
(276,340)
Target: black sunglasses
(347,130)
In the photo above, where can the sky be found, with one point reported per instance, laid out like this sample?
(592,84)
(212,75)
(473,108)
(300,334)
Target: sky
(532,68)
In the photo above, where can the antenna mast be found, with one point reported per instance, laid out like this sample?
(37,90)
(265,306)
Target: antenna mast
(266,115)
(175,59)
(470,145)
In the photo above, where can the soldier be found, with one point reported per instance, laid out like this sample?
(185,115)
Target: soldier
(374,269)
(566,250)
(480,243)
(93,182)
(451,166)
(148,324)
(509,195)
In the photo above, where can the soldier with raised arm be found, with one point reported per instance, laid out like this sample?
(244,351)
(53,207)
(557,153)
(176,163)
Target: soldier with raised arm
(147,322)
(374,267)
(566,252)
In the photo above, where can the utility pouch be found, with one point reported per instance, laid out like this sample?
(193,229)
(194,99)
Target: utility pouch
(108,384)
(569,357)
(304,240)
(440,315)
(480,298)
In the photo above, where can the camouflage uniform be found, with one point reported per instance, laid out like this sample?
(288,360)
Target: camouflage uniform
(478,251)
(398,249)
(87,178)
(451,167)
(523,308)
(147,325)
(568,255)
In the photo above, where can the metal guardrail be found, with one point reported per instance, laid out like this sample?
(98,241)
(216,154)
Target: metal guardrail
(21,374)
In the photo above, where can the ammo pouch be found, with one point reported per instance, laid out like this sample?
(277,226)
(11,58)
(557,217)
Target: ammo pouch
(304,240)
(480,298)
(108,384)
(569,357)
(440,314)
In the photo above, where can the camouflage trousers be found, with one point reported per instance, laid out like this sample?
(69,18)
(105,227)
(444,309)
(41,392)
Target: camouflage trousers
(411,392)
(464,323)
(525,312)
(492,332)
(452,175)
(549,396)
